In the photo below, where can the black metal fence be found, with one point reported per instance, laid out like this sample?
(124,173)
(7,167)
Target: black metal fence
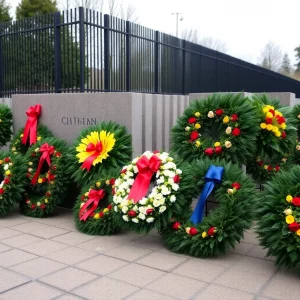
(81,50)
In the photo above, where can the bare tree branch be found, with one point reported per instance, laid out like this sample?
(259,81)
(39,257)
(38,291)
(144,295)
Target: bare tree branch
(214,44)
(271,57)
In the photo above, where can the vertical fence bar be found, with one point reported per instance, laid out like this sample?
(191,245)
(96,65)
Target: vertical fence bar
(81,49)
(128,56)
(184,67)
(57,53)
(106,54)
(156,61)
(1,64)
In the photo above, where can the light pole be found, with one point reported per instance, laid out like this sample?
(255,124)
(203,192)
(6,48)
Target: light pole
(177,15)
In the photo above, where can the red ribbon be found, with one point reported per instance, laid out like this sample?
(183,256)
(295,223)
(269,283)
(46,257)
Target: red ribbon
(97,149)
(94,197)
(147,167)
(47,151)
(33,112)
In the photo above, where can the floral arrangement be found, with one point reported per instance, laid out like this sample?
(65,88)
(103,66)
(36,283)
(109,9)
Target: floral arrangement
(6,122)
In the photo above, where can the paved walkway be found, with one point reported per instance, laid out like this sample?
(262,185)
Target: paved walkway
(49,259)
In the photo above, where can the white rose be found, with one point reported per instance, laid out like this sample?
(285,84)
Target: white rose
(129,174)
(135,208)
(157,174)
(141,216)
(1,185)
(160,180)
(178,171)
(150,220)
(142,209)
(143,201)
(187,128)
(135,220)
(162,209)
(6,166)
(156,203)
(165,190)
(125,218)
(211,114)
(162,201)
(298,147)
(116,208)
(171,181)
(228,130)
(124,209)
(130,181)
(148,154)
(175,186)
(173,198)
(135,169)
(228,144)
(159,196)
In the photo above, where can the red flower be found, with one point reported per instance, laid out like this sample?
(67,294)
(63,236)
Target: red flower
(156,151)
(194,135)
(123,171)
(32,206)
(211,231)
(57,154)
(277,168)
(48,194)
(209,151)
(218,150)
(260,163)
(6,159)
(101,214)
(294,226)
(33,154)
(192,120)
(219,111)
(82,197)
(109,207)
(280,120)
(112,181)
(149,211)
(28,175)
(176,178)
(234,117)
(52,177)
(27,201)
(272,111)
(113,191)
(44,179)
(296,201)
(283,134)
(193,231)
(269,121)
(6,181)
(176,225)
(270,168)
(236,131)
(43,206)
(1,191)
(54,168)
(236,185)
(132,213)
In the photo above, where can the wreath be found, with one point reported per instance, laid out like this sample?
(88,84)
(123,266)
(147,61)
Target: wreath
(105,146)
(225,225)
(296,115)
(222,126)
(12,181)
(17,145)
(6,122)
(46,177)
(278,216)
(141,209)
(93,211)
(277,133)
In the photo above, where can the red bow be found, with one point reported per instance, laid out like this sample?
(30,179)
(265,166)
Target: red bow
(33,112)
(97,149)
(94,197)
(141,183)
(47,151)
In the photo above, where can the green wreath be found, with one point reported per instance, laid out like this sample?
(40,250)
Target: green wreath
(172,189)
(225,225)
(6,122)
(222,126)
(12,181)
(98,148)
(278,217)
(46,184)
(277,133)
(93,210)
(17,146)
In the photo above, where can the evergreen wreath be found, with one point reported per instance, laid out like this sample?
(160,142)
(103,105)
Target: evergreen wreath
(12,181)
(47,177)
(225,225)
(223,125)
(296,115)
(6,122)
(17,146)
(150,190)
(278,215)
(99,148)
(93,211)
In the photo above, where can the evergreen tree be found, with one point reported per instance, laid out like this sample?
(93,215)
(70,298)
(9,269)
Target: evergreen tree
(4,12)
(286,65)
(297,58)
(30,8)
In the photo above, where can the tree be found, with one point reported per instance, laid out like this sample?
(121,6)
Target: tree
(30,8)
(190,35)
(271,57)
(286,65)
(214,44)
(4,12)
(297,49)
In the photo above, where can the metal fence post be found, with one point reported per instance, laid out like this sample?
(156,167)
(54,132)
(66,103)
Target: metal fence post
(184,67)
(156,61)
(57,53)
(81,49)
(106,54)
(128,56)
(1,64)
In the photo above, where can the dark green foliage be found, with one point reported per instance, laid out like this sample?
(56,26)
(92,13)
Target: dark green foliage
(4,12)
(231,218)
(272,228)
(30,8)
(5,124)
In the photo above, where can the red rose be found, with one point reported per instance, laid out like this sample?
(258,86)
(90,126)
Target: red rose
(28,175)
(283,134)
(280,120)
(52,177)
(32,154)
(44,179)
(54,168)
(109,207)
(113,191)
(234,117)
(27,201)
(43,206)
(57,154)
(294,226)
(132,213)
(1,191)
(6,159)
(211,231)
(194,135)
(32,206)
(192,120)
(6,181)
(123,171)
(156,151)
(296,201)
(218,150)
(149,211)
(82,197)
(277,168)
(112,181)
(272,111)
(219,111)
(209,151)
(176,178)
(269,168)
(101,214)
(236,131)
(48,195)
(269,121)
(260,163)
(236,185)
(176,225)
(193,231)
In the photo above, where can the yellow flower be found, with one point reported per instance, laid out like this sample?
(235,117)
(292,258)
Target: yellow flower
(275,129)
(98,183)
(283,126)
(226,120)
(289,219)
(46,200)
(7,172)
(217,144)
(298,116)
(105,210)
(13,148)
(187,230)
(269,127)
(197,126)
(298,232)
(228,144)
(204,234)
(277,133)
(40,180)
(0,121)
(265,110)
(38,203)
(269,115)
(21,135)
(39,138)
(197,114)
(263,125)
(198,144)
(266,167)
(278,113)
(96,216)
(106,138)
(1,161)
(289,198)
(86,194)
(30,163)
(51,182)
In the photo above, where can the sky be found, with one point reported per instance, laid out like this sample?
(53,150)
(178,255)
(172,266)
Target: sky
(245,26)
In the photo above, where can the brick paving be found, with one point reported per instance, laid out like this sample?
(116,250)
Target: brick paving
(49,259)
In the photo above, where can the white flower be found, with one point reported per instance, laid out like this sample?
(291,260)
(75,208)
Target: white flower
(160,180)
(298,147)
(228,130)
(130,181)
(1,185)
(6,166)
(162,209)
(135,220)
(173,198)
(141,216)
(135,208)
(165,190)
(124,209)
(157,174)
(130,174)
(175,186)
(125,218)
(156,203)
(228,144)
(187,128)
(142,209)
(116,208)
(211,114)
(178,171)
(170,180)
(150,220)
(162,201)
(148,154)
(135,169)
(143,201)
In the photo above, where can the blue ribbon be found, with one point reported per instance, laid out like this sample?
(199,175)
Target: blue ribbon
(213,176)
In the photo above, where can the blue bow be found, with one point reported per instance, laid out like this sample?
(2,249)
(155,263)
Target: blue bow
(213,176)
